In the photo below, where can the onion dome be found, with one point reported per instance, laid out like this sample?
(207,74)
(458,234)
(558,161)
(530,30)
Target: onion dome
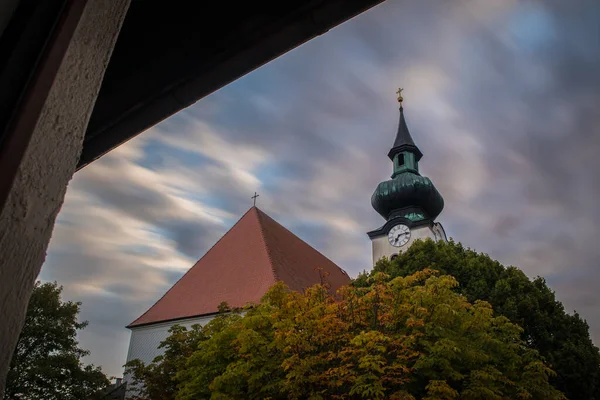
(407,194)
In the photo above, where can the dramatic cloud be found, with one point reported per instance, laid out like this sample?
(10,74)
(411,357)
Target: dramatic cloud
(501,97)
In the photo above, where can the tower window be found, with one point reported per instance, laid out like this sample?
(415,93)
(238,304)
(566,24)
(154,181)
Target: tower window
(400,160)
(393,256)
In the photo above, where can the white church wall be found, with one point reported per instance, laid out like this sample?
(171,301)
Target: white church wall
(382,247)
(145,340)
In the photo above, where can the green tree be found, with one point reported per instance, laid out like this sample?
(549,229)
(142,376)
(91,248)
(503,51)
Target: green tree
(409,337)
(47,361)
(156,380)
(562,339)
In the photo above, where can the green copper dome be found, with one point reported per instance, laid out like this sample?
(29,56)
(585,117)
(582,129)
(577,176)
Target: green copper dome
(407,194)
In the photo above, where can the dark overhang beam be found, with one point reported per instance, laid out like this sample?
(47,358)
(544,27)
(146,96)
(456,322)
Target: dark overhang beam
(175,79)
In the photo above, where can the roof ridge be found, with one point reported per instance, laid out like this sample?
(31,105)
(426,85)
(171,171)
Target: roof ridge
(259,214)
(299,238)
(191,268)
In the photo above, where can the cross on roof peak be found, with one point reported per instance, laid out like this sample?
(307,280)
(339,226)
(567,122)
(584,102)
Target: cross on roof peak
(400,98)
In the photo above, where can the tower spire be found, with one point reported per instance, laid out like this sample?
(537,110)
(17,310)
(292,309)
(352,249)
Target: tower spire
(409,202)
(404,141)
(407,193)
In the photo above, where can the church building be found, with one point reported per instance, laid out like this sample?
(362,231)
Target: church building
(251,257)
(408,202)
(257,252)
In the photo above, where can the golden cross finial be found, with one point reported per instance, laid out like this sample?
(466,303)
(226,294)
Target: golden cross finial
(399,93)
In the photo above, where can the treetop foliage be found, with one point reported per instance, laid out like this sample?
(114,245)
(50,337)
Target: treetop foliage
(411,337)
(47,361)
(562,339)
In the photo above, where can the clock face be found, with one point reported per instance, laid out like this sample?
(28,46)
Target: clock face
(399,235)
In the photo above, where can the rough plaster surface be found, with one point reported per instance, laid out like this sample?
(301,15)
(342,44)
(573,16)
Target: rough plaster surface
(27,220)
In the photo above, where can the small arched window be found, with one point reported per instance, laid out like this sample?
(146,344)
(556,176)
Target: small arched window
(393,256)
(400,160)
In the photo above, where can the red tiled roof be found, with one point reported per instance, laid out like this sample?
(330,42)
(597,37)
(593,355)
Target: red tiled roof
(255,253)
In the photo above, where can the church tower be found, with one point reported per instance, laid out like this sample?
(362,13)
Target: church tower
(408,202)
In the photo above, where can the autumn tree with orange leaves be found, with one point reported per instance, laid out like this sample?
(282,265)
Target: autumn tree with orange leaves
(409,337)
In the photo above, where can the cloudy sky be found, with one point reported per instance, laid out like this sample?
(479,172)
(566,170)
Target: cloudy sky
(502,97)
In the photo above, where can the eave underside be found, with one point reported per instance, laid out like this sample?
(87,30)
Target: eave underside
(170,55)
